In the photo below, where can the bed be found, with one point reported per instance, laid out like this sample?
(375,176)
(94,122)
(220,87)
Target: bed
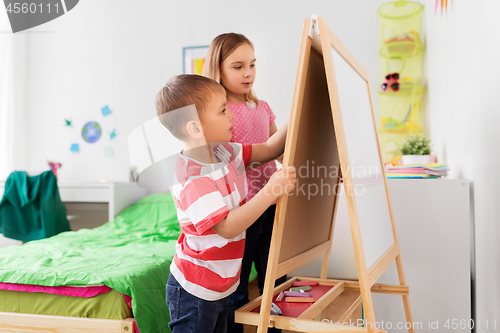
(122,267)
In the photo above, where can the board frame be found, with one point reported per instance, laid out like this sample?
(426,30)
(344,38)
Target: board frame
(318,39)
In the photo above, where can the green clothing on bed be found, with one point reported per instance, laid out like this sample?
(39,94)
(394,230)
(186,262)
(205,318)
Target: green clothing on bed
(131,254)
(31,208)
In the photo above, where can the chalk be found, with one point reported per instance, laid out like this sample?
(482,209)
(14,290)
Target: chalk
(275,310)
(300,299)
(279,298)
(305,288)
(304,283)
(297,294)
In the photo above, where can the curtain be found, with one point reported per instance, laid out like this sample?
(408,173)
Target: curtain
(6,82)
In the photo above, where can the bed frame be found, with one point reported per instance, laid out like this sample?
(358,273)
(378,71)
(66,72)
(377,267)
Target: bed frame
(23,322)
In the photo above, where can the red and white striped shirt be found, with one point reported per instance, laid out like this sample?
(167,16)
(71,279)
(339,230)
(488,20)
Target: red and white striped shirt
(206,264)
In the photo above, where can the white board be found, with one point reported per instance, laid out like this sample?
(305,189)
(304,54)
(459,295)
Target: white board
(365,165)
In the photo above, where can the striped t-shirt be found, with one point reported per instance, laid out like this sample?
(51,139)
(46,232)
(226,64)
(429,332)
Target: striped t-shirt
(206,264)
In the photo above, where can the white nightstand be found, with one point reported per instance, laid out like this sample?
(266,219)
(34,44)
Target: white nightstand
(90,204)
(116,195)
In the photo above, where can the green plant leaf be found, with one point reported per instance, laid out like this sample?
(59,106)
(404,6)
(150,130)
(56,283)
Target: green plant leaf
(416,145)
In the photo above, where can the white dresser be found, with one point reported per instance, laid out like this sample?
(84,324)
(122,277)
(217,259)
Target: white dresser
(433,225)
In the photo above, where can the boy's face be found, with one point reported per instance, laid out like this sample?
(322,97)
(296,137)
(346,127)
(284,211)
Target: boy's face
(217,120)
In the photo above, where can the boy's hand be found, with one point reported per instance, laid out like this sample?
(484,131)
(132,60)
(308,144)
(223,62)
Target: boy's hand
(282,182)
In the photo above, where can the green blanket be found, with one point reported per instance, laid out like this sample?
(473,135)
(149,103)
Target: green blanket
(131,254)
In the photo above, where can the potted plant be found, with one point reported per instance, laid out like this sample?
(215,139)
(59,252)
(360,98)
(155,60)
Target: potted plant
(416,150)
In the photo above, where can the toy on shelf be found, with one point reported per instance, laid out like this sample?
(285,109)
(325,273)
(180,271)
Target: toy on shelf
(391,81)
(407,81)
(395,160)
(404,44)
(390,125)
(411,36)
(54,166)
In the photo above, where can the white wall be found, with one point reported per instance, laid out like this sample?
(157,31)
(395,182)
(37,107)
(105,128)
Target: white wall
(14,75)
(120,54)
(463,87)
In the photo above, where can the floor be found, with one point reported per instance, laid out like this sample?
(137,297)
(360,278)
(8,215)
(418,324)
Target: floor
(333,312)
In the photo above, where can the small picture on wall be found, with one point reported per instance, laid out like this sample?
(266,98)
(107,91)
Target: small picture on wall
(193,59)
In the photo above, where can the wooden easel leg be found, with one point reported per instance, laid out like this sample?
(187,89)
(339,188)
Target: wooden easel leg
(366,297)
(326,256)
(324,273)
(406,298)
(324,266)
(271,271)
(265,308)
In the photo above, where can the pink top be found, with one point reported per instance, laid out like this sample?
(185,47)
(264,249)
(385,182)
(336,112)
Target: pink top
(252,126)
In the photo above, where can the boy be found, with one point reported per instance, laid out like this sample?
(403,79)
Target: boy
(210,200)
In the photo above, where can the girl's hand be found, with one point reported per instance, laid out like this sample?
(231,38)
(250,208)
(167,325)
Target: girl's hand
(281,183)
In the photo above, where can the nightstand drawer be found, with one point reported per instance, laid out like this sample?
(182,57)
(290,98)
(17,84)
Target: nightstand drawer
(75,194)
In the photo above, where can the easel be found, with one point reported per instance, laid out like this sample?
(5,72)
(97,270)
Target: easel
(303,228)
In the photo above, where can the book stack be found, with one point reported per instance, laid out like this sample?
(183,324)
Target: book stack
(427,171)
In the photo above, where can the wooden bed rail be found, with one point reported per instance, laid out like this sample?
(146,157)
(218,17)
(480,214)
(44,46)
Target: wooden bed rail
(24,322)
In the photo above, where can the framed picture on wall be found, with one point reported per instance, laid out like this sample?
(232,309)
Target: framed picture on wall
(193,58)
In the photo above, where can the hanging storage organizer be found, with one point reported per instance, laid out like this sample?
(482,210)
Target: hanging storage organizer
(400,52)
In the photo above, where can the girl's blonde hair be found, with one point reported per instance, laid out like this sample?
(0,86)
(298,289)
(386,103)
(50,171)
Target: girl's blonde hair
(220,48)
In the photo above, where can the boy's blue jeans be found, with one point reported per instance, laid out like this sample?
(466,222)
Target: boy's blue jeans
(191,314)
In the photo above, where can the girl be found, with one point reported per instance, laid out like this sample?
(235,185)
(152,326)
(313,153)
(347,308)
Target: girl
(231,62)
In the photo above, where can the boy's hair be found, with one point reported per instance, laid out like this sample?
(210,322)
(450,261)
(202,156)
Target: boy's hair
(180,94)
(220,48)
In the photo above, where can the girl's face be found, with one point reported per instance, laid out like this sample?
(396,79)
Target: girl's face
(238,70)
